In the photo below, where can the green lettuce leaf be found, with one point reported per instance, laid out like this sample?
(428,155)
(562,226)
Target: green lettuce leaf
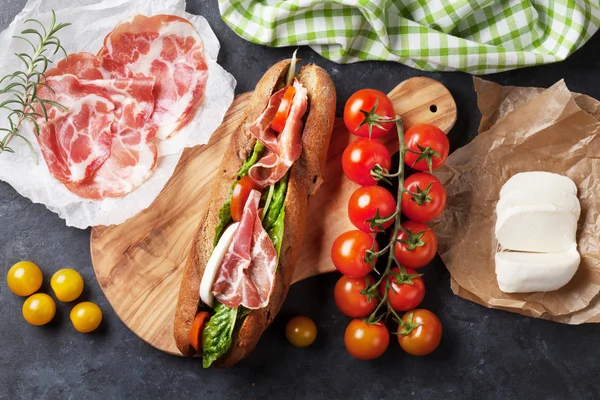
(224,218)
(217,335)
(276,204)
(257,152)
(276,232)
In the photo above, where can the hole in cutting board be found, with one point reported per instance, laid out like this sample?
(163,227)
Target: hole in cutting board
(433,108)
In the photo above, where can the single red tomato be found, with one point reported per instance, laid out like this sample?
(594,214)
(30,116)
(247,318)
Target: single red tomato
(361,156)
(429,197)
(431,142)
(420,332)
(198,325)
(351,299)
(364,100)
(348,253)
(417,249)
(284,109)
(240,194)
(366,341)
(365,202)
(405,291)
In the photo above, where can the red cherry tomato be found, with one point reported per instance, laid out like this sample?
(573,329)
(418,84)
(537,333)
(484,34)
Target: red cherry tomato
(364,100)
(418,249)
(434,143)
(364,203)
(195,335)
(349,251)
(366,341)
(430,202)
(404,292)
(350,300)
(284,109)
(361,156)
(241,191)
(425,335)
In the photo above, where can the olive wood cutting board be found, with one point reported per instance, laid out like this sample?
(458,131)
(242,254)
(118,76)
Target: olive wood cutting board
(139,263)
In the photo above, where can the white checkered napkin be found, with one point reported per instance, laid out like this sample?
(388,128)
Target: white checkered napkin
(475,36)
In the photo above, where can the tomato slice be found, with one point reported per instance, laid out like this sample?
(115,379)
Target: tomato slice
(284,109)
(241,191)
(196,330)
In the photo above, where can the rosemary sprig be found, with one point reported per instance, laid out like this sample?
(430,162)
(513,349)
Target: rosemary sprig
(22,85)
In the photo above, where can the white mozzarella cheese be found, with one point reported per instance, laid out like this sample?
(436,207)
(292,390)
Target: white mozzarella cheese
(534,272)
(541,228)
(559,200)
(213,264)
(538,181)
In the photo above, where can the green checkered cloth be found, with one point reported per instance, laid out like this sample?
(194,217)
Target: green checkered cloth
(478,37)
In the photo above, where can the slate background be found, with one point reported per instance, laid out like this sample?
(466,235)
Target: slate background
(484,353)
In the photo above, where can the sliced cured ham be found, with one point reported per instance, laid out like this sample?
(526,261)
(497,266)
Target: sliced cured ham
(82,65)
(167,48)
(75,143)
(247,273)
(261,128)
(131,162)
(287,147)
(103,144)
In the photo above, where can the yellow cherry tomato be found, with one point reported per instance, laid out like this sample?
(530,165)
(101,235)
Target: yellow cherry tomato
(67,284)
(86,316)
(301,331)
(24,278)
(39,309)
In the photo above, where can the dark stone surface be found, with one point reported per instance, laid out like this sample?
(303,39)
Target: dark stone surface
(484,353)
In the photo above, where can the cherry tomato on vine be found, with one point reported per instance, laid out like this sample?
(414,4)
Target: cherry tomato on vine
(429,199)
(364,100)
(421,333)
(301,331)
(417,249)
(350,300)
(428,140)
(240,194)
(366,341)
(349,251)
(365,202)
(361,156)
(406,291)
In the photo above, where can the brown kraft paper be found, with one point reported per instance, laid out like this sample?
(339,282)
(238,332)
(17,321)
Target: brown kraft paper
(522,129)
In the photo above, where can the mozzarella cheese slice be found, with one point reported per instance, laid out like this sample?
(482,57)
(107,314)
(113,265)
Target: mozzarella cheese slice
(557,200)
(213,264)
(541,228)
(535,272)
(538,181)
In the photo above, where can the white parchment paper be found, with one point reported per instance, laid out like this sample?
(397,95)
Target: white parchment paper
(91,20)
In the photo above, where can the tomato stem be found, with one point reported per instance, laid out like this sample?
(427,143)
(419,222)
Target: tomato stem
(373,318)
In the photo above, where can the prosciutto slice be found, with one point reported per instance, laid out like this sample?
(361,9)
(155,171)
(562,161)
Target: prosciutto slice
(77,142)
(83,65)
(106,131)
(133,149)
(285,149)
(167,48)
(247,273)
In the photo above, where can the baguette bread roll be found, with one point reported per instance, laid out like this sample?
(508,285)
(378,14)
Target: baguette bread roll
(306,175)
